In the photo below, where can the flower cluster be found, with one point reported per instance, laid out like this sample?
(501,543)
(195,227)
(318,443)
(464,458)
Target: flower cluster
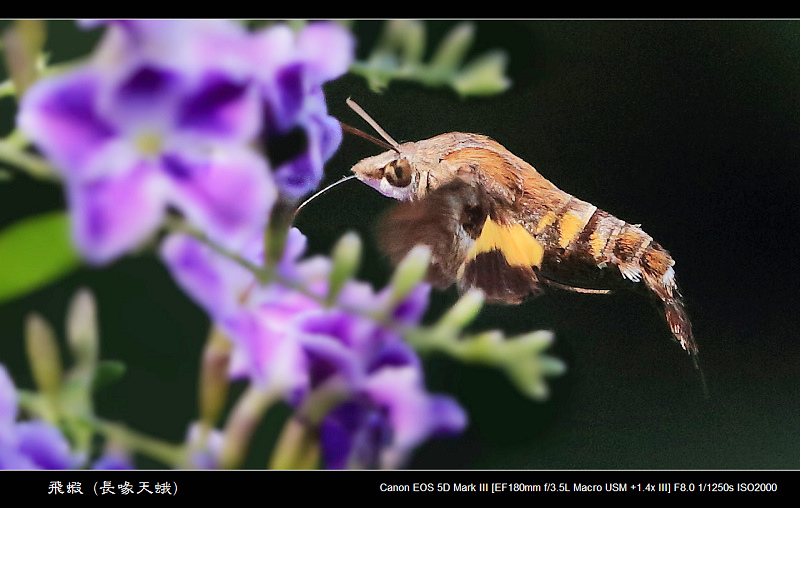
(354,377)
(169,113)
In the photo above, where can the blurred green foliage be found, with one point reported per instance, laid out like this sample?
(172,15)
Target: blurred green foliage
(35,252)
(399,54)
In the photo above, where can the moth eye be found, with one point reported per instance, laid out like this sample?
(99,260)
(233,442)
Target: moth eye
(398,173)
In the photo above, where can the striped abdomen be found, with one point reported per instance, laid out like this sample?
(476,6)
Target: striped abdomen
(586,247)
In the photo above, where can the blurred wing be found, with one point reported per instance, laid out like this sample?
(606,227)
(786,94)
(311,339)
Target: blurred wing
(447,221)
(468,245)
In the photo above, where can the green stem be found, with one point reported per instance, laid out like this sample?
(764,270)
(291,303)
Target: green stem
(242,423)
(277,232)
(297,447)
(178,225)
(386,70)
(170,454)
(35,166)
(298,444)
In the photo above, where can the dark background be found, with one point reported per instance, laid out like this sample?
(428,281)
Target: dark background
(687,127)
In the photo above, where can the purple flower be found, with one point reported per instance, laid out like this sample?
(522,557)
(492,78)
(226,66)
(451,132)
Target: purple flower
(166,113)
(29,445)
(135,141)
(257,319)
(387,412)
(286,340)
(190,45)
(296,113)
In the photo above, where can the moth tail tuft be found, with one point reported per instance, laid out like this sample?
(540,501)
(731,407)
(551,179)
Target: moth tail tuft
(659,276)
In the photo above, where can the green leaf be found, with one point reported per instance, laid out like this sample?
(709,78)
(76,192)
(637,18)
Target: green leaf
(108,372)
(35,252)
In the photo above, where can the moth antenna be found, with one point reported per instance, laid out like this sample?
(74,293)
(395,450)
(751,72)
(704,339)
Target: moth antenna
(363,114)
(320,192)
(362,134)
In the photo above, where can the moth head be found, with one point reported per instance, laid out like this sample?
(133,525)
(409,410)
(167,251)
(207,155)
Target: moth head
(391,173)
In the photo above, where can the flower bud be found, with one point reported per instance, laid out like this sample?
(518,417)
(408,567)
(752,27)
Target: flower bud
(453,48)
(552,366)
(82,334)
(463,311)
(484,76)
(410,272)
(43,353)
(22,44)
(535,341)
(214,380)
(346,259)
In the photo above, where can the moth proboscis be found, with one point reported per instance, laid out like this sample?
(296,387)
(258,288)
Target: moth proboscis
(493,222)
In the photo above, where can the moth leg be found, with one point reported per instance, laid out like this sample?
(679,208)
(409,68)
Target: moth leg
(561,286)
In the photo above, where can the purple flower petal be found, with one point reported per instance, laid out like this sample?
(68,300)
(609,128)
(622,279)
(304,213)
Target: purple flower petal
(60,115)
(259,321)
(288,96)
(328,358)
(272,355)
(393,353)
(144,101)
(304,172)
(353,436)
(328,134)
(113,460)
(357,295)
(294,248)
(228,195)
(11,458)
(218,284)
(335,442)
(115,213)
(8,400)
(186,44)
(448,417)
(411,309)
(272,47)
(45,445)
(328,48)
(413,413)
(222,108)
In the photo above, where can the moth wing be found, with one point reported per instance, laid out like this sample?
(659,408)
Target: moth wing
(446,221)
(503,262)
(469,246)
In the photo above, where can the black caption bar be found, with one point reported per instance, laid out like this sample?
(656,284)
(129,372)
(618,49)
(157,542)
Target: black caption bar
(168,488)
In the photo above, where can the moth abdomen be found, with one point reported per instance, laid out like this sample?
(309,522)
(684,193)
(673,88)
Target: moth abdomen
(609,253)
